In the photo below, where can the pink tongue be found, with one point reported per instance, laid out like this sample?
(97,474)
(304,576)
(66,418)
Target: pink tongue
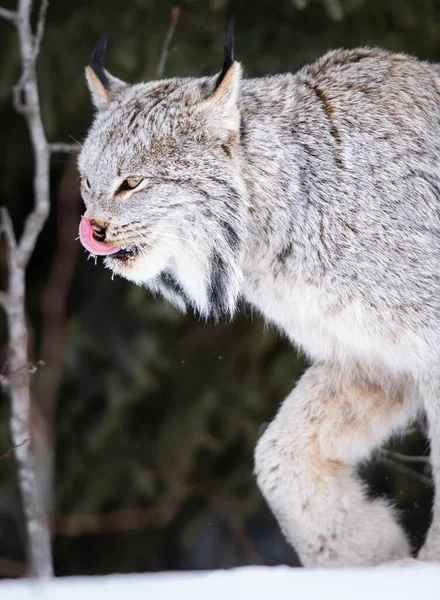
(89,242)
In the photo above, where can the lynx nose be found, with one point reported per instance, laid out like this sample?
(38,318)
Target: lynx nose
(98,231)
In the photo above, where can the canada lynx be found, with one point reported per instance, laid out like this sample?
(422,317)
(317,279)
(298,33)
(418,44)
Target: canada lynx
(315,197)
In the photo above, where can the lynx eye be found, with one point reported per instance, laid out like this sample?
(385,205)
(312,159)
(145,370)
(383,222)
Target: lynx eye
(133,182)
(129,184)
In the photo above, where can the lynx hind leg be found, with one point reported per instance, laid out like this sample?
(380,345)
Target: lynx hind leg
(305,467)
(430,392)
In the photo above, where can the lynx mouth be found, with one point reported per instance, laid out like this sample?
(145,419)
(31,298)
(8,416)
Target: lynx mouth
(100,247)
(125,254)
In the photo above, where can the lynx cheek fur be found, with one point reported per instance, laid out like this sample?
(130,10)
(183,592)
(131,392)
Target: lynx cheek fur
(315,197)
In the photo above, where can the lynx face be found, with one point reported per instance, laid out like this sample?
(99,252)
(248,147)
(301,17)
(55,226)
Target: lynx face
(160,178)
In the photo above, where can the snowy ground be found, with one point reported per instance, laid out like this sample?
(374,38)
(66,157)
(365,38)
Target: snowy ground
(253,583)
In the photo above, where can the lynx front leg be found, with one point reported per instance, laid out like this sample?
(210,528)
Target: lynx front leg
(305,465)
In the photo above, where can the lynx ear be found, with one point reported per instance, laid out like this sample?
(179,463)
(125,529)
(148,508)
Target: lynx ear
(103,86)
(221,107)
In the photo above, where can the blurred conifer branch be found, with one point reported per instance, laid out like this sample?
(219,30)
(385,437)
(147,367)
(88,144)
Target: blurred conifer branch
(27,102)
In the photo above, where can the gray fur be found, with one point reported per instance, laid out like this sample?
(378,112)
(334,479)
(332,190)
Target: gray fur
(315,197)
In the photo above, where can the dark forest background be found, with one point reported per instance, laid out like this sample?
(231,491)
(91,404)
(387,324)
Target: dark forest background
(155,415)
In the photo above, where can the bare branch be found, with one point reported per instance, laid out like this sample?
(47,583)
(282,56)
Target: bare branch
(4,303)
(26,101)
(9,15)
(393,464)
(27,87)
(17,101)
(61,147)
(8,229)
(175,14)
(53,328)
(406,458)
(31,458)
(40,28)
(155,517)
(10,452)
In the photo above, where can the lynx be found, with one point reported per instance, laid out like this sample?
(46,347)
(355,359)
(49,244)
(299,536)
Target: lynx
(315,198)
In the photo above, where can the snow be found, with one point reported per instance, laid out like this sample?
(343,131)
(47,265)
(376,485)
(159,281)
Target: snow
(253,583)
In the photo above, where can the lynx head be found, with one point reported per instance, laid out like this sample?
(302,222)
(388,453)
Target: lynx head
(161,181)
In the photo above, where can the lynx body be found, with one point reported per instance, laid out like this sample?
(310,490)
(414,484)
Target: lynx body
(315,197)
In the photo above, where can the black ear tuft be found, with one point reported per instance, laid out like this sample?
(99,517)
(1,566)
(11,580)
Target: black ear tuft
(228,53)
(97,61)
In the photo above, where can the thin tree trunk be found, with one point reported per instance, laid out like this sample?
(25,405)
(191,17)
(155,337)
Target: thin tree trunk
(31,480)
